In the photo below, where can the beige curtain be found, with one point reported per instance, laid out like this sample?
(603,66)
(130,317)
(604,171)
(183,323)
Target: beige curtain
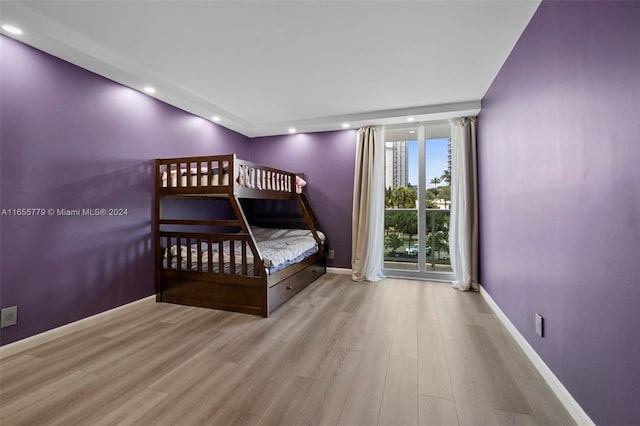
(367,248)
(463,232)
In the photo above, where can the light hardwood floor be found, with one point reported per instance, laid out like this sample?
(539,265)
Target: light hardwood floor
(397,352)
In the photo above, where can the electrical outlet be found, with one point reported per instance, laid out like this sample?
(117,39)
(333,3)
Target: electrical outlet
(331,254)
(9,316)
(539,325)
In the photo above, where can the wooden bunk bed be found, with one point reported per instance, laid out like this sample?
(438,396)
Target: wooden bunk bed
(221,266)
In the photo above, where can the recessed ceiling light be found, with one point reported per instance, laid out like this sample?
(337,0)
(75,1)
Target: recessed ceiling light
(346,125)
(11,29)
(292,130)
(411,119)
(412,131)
(215,118)
(150,90)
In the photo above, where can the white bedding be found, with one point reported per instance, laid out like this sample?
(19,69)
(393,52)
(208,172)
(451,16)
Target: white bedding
(278,248)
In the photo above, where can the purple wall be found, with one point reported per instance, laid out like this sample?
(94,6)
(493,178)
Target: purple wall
(72,139)
(559,172)
(327,160)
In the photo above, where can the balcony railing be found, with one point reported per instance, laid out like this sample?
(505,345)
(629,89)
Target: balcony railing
(401,240)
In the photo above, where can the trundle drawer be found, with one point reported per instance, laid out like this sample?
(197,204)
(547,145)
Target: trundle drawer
(286,289)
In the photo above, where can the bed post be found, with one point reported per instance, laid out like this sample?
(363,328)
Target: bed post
(156,226)
(310,218)
(258,264)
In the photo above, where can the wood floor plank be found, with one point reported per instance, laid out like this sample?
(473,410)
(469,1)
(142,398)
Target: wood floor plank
(49,409)
(325,288)
(235,344)
(320,347)
(377,312)
(21,406)
(124,348)
(386,353)
(332,385)
(516,360)
(52,369)
(506,418)
(166,313)
(546,407)
(453,321)
(354,297)
(405,338)
(229,417)
(11,364)
(475,303)
(314,401)
(386,313)
(400,399)
(319,292)
(310,315)
(426,302)
(233,322)
(436,412)
(149,348)
(291,405)
(107,391)
(502,389)
(472,402)
(131,410)
(188,371)
(357,331)
(288,322)
(15,371)
(362,405)
(433,369)
(453,304)
(195,403)
(410,291)
(271,372)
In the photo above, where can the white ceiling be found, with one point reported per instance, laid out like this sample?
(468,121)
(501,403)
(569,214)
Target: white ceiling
(265,66)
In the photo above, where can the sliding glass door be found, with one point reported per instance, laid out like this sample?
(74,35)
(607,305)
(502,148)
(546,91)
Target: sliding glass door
(417,201)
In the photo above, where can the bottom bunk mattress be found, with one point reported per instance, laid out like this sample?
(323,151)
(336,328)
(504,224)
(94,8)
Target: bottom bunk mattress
(278,249)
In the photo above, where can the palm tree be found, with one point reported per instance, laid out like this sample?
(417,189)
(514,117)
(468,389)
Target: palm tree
(446,177)
(435,181)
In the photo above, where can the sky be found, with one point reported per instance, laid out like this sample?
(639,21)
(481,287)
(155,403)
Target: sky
(437,159)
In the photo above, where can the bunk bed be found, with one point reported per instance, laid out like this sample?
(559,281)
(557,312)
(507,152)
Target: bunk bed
(230,264)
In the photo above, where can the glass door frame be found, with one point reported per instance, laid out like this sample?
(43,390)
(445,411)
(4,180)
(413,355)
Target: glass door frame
(422,273)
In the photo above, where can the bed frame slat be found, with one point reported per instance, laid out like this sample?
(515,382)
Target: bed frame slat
(220,257)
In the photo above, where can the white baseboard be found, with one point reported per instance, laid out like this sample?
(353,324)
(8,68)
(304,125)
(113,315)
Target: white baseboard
(343,271)
(556,385)
(47,336)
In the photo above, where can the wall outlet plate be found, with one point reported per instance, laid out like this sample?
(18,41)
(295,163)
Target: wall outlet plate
(8,316)
(539,325)
(331,254)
